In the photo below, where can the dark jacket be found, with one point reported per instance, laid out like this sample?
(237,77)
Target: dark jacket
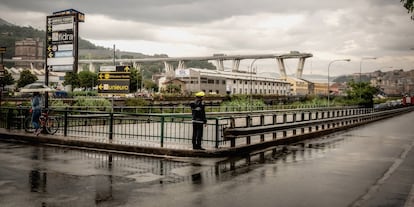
(198,112)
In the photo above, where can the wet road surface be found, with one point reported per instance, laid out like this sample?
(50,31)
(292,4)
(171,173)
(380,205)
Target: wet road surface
(372,165)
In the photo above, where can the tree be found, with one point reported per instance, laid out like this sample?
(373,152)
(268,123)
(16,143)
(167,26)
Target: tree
(87,79)
(7,79)
(135,78)
(150,85)
(173,88)
(26,77)
(362,92)
(409,5)
(72,79)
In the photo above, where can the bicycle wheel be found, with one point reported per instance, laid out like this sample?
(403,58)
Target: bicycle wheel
(28,126)
(52,125)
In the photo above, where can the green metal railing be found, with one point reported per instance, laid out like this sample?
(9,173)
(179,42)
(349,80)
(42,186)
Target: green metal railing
(153,130)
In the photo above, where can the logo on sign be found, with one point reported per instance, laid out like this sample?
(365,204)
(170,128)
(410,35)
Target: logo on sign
(62,36)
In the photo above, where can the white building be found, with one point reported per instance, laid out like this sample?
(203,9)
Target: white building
(55,78)
(222,82)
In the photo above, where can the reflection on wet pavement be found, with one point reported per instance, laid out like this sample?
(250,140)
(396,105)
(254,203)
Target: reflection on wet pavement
(334,170)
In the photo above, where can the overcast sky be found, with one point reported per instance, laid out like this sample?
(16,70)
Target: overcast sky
(328,29)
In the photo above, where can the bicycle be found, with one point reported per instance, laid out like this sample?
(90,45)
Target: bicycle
(47,123)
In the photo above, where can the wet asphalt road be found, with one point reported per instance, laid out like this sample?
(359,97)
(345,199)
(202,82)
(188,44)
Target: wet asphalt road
(372,165)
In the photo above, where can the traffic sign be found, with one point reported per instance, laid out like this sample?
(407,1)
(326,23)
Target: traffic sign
(2,50)
(107,68)
(113,86)
(60,42)
(114,75)
(123,68)
(61,68)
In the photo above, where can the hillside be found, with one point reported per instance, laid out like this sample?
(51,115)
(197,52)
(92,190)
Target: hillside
(10,33)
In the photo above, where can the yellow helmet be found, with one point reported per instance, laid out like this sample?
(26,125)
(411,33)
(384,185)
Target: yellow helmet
(200,94)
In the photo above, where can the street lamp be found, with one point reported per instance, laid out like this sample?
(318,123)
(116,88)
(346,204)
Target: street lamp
(142,79)
(251,83)
(329,65)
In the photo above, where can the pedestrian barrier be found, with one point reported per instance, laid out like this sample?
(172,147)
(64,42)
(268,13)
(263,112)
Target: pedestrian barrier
(224,133)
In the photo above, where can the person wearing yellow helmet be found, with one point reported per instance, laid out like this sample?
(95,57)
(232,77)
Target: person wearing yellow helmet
(200,94)
(199,119)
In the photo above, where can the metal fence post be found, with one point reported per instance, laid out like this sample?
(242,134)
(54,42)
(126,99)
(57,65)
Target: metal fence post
(65,123)
(217,133)
(9,118)
(162,131)
(111,125)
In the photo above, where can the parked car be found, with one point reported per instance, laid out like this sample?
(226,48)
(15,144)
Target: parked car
(60,94)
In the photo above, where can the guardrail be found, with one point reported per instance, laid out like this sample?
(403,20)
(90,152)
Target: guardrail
(274,127)
(224,131)
(152,130)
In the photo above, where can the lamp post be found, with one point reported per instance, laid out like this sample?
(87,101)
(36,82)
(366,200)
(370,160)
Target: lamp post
(142,79)
(251,84)
(329,65)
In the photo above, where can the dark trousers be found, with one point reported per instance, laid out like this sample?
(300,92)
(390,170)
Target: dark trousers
(35,118)
(197,135)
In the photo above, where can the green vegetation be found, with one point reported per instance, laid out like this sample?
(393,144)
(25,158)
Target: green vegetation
(136,102)
(362,93)
(59,104)
(242,102)
(83,93)
(409,5)
(7,79)
(93,104)
(87,79)
(26,77)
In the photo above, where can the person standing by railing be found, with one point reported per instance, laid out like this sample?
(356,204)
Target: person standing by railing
(199,119)
(36,111)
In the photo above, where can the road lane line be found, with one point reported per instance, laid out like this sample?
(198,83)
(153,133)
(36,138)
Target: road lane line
(374,188)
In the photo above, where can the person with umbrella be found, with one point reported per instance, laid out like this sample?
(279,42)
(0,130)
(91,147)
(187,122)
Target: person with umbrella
(36,111)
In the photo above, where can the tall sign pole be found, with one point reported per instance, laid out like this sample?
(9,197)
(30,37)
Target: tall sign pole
(2,72)
(62,33)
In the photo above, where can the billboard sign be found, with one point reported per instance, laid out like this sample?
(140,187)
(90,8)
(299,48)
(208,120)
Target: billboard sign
(182,73)
(62,40)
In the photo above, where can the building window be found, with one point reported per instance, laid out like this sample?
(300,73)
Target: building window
(209,81)
(234,81)
(223,82)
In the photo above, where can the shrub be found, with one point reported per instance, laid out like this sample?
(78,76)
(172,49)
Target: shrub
(93,104)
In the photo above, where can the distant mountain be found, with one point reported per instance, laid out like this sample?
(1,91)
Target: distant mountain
(10,33)
(4,22)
